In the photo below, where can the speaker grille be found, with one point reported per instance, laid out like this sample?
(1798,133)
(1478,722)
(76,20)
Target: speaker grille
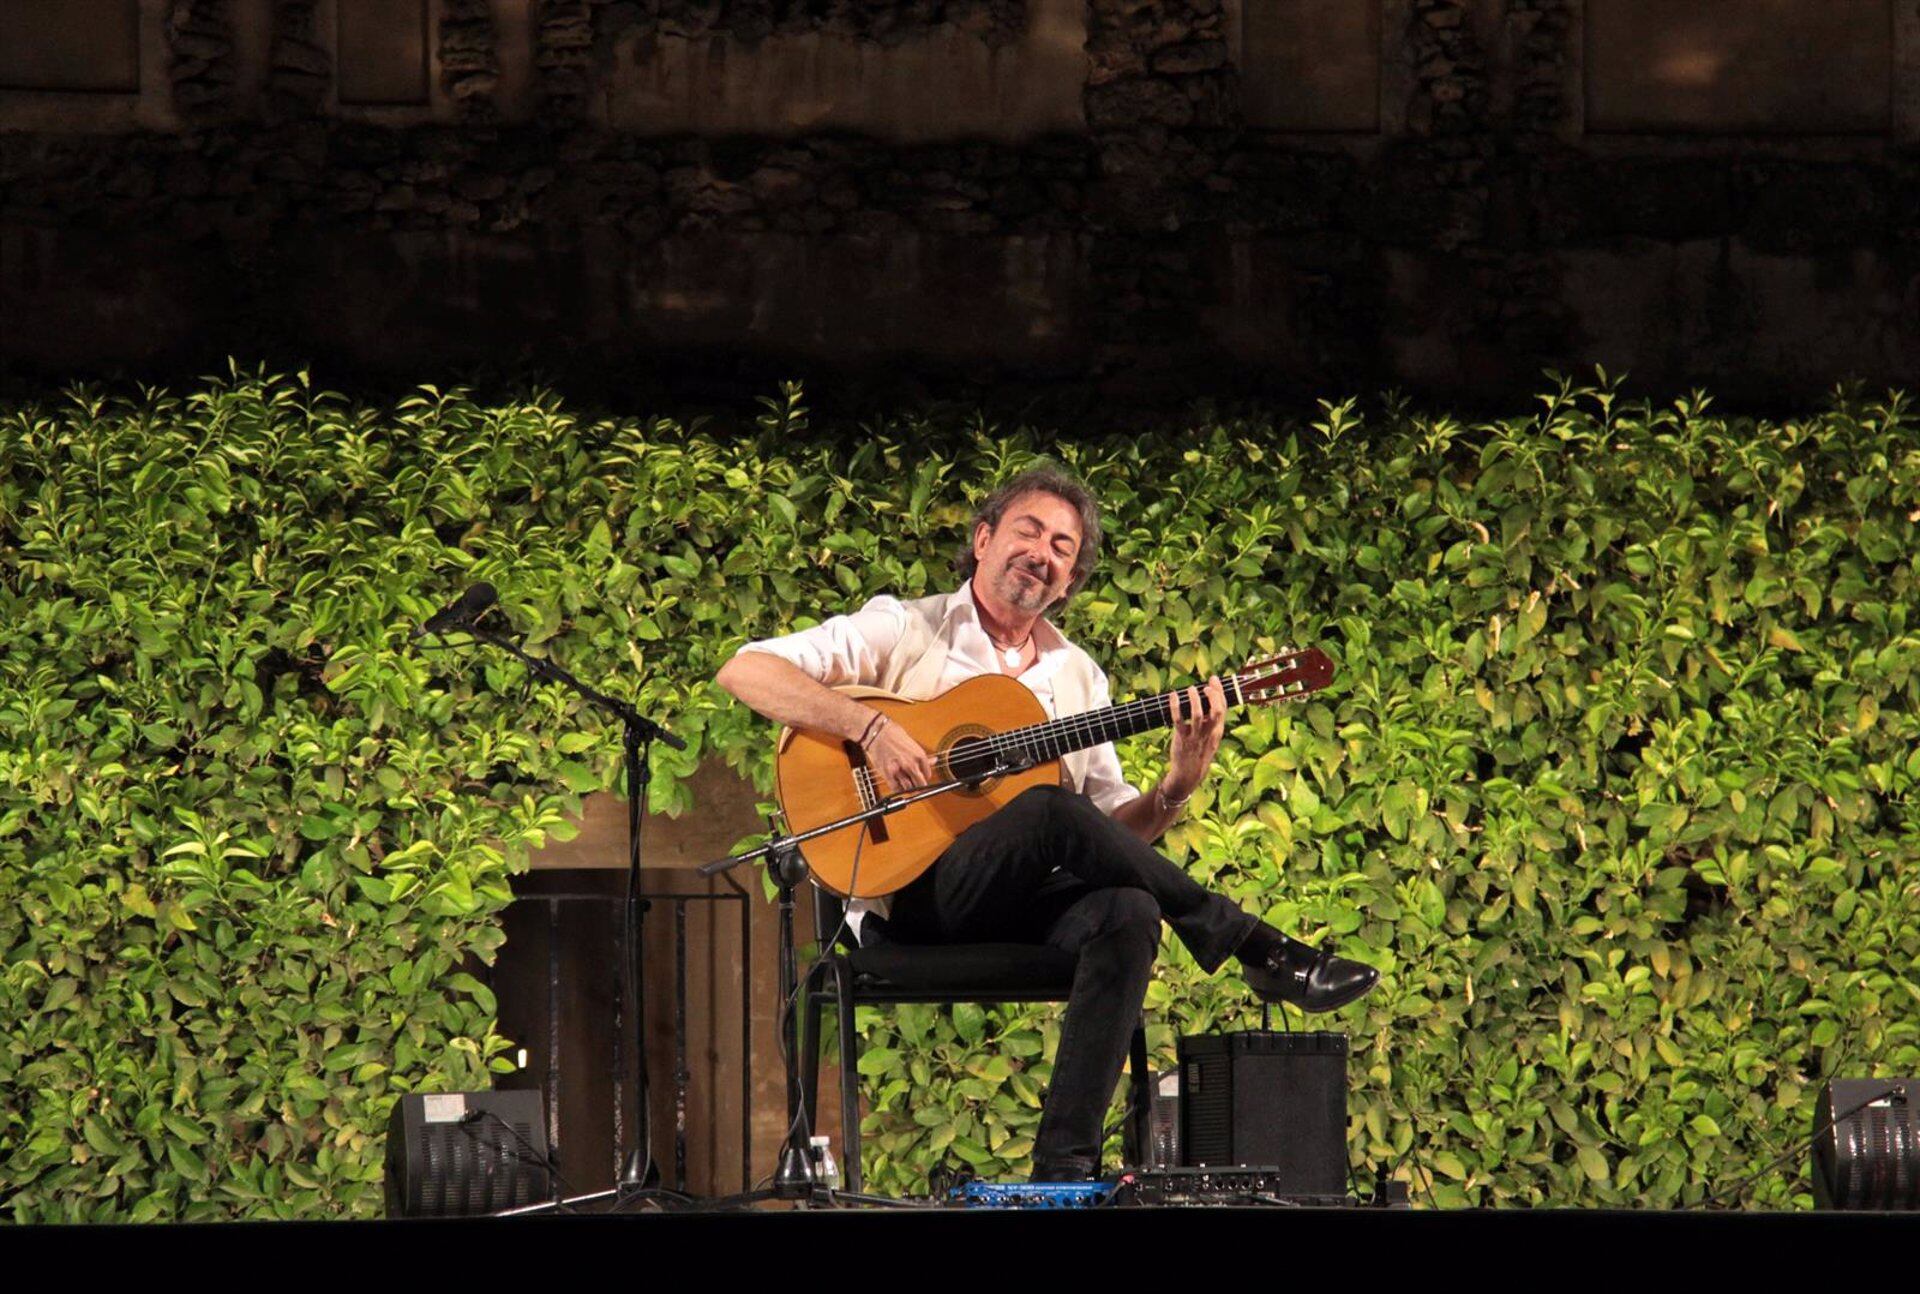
(1206,1109)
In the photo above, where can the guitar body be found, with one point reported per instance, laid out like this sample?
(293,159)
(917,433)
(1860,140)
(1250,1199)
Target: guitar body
(818,782)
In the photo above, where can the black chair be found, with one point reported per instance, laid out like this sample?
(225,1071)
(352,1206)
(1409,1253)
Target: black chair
(939,975)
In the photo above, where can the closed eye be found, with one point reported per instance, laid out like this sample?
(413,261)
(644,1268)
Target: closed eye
(1031,528)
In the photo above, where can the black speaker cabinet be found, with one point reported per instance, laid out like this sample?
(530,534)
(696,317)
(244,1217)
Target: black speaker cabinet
(1871,1158)
(1270,1100)
(459,1154)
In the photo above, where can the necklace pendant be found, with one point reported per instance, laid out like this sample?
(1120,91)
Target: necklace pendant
(1012,654)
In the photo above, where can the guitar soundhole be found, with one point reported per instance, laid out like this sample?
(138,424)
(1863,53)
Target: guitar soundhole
(970,756)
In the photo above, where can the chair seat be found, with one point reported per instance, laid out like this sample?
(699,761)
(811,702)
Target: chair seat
(1030,972)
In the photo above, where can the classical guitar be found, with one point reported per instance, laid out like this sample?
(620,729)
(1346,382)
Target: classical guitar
(989,732)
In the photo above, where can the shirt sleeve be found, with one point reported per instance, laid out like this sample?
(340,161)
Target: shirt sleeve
(1106,785)
(844,650)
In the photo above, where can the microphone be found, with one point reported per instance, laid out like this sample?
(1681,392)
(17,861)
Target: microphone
(460,613)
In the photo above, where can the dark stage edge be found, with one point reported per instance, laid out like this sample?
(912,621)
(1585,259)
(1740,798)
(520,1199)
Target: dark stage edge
(1117,1235)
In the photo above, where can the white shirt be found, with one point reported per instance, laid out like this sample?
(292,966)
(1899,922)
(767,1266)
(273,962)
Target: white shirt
(853,649)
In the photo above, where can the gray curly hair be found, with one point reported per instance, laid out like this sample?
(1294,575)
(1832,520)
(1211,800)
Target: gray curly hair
(1042,478)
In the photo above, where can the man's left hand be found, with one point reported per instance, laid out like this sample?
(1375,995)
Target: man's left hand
(1195,738)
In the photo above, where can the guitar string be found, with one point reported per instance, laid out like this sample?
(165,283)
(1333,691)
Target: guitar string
(1110,723)
(1037,740)
(1039,745)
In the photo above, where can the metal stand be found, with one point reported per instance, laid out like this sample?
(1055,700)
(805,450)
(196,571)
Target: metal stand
(638,734)
(793,1178)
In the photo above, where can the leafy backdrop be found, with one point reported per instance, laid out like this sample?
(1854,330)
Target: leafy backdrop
(1614,783)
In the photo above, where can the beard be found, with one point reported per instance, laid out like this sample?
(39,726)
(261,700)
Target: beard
(1030,595)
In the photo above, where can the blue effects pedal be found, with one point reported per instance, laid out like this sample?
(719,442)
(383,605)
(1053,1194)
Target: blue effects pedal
(1030,1195)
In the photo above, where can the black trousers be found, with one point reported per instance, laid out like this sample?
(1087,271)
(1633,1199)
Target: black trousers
(1051,868)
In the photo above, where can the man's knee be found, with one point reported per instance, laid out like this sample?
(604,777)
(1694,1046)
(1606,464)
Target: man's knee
(1045,795)
(1134,910)
(1118,927)
(1055,802)
(1130,920)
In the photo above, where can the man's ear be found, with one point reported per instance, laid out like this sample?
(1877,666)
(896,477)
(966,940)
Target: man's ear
(982,532)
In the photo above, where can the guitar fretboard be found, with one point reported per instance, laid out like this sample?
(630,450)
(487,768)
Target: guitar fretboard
(1041,742)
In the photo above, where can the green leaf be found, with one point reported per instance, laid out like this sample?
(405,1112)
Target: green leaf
(878,1060)
(186,1162)
(969,1021)
(185,1130)
(482,995)
(578,778)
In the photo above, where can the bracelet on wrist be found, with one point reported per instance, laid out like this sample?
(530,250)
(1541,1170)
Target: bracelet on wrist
(1167,803)
(872,729)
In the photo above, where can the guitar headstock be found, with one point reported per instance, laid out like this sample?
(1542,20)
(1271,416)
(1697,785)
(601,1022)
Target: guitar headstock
(1288,675)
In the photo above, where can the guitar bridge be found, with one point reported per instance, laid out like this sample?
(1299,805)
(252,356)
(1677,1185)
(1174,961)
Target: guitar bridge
(864,787)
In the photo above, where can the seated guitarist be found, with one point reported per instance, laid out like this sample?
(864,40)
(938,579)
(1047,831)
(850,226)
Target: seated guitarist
(1071,867)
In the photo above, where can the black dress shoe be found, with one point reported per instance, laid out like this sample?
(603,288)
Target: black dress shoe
(1279,969)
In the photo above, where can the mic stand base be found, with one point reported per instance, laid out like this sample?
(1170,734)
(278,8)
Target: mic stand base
(640,1173)
(793,1180)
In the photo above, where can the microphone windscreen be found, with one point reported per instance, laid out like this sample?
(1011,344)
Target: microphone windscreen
(463,611)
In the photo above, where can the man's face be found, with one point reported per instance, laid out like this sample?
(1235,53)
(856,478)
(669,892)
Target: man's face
(1027,561)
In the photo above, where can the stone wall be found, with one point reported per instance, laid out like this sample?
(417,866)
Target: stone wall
(1143,199)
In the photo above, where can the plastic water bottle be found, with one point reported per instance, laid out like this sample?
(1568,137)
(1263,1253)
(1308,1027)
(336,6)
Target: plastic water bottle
(825,1171)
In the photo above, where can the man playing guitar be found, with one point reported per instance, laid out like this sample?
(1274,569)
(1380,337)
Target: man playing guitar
(1067,866)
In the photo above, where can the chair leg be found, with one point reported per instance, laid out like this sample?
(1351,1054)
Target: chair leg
(1137,1136)
(849,1078)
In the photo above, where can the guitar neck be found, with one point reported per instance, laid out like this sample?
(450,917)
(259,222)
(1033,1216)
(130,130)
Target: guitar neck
(1046,741)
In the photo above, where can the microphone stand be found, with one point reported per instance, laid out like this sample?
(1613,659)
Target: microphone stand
(793,1178)
(638,734)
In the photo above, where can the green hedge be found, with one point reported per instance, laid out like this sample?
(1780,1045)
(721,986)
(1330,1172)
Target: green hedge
(1614,782)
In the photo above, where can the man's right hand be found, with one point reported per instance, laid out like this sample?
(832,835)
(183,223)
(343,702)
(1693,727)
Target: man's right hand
(900,761)
(786,694)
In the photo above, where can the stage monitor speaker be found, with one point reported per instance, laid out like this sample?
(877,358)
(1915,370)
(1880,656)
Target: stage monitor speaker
(1871,1158)
(1269,1100)
(461,1154)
